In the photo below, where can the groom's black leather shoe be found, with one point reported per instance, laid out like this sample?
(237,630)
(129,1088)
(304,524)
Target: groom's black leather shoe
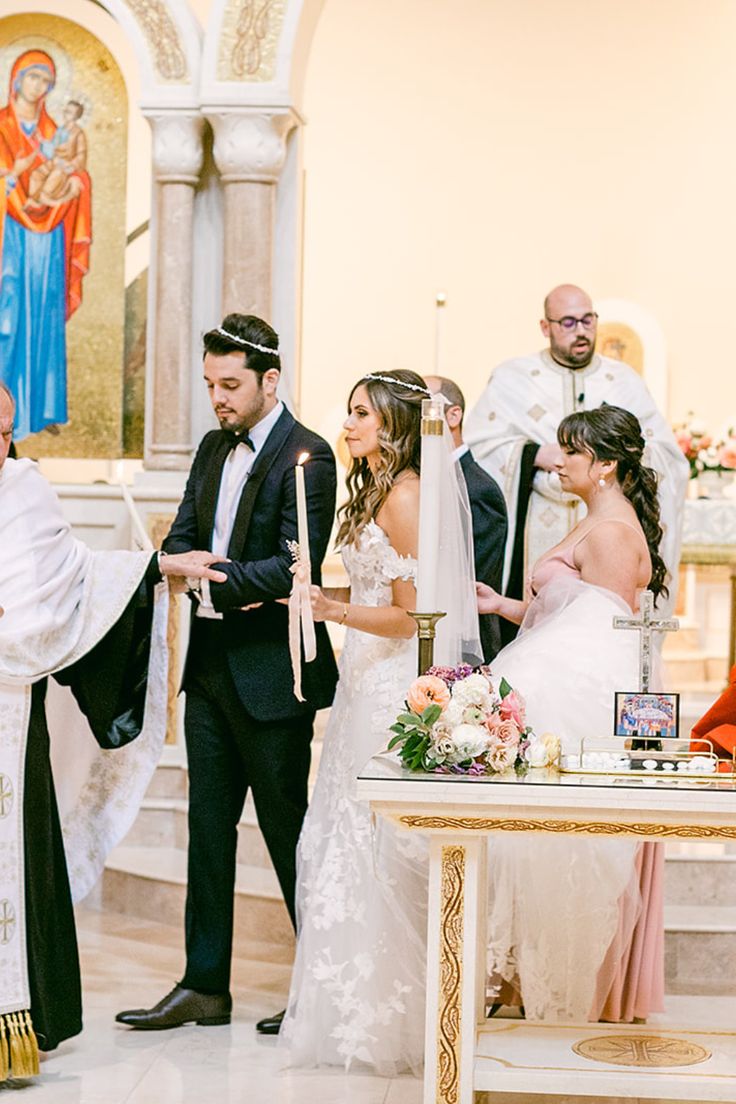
(271,1025)
(180,1006)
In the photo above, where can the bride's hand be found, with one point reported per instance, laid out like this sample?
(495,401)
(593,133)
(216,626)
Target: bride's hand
(489,600)
(320,603)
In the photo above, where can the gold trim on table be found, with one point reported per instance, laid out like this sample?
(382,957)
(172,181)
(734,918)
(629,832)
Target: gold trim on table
(571,827)
(452,917)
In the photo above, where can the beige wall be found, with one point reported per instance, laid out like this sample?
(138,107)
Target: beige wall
(492,148)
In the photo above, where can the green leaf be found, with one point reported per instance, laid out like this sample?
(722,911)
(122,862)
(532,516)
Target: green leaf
(505,688)
(431,713)
(409,719)
(396,740)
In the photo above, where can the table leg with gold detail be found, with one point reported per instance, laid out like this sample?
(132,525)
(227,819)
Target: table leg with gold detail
(465,1053)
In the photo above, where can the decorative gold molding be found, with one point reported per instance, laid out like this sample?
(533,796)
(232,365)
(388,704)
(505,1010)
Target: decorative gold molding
(452,917)
(641,1050)
(163,39)
(249,40)
(572,827)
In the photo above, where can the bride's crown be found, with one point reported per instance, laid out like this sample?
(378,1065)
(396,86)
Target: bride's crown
(398,382)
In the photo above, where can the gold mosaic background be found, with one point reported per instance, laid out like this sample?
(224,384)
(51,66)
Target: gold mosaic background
(619,341)
(95,332)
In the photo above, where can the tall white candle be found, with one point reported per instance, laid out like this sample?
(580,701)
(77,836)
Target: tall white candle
(434,453)
(439,314)
(139,529)
(301,509)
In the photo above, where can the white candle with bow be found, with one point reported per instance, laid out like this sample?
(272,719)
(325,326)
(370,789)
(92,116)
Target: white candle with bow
(301,510)
(434,453)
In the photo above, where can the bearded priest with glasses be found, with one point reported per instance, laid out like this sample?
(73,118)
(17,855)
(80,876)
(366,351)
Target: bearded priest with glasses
(512,433)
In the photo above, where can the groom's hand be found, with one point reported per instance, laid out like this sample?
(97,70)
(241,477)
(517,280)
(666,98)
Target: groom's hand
(193,565)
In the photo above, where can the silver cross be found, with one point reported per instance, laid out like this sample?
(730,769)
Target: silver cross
(647,624)
(7,921)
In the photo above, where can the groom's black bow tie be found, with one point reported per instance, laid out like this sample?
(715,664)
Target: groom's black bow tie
(235,439)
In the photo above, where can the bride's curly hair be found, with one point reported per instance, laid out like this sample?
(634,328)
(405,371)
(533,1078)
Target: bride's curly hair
(400,411)
(611,433)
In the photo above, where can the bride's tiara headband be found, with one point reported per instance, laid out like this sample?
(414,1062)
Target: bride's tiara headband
(242,341)
(399,383)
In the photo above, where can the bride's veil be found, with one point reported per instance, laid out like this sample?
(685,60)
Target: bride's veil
(458,634)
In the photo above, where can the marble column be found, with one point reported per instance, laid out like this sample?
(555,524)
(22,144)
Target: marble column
(249,151)
(177,162)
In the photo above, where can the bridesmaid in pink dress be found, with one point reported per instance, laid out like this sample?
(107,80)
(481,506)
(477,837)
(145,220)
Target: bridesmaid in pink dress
(576,926)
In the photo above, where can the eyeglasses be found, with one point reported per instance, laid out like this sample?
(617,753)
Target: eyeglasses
(570,323)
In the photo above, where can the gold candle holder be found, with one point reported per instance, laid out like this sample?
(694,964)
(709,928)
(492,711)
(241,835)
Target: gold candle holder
(426,632)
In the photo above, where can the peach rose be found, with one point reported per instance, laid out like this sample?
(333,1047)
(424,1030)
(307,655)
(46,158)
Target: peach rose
(505,730)
(427,690)
(727,453)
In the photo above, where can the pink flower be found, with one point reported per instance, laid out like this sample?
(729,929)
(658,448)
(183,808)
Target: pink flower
(685,442)
(427,690)
(727,453)
(504,731)
(512,707)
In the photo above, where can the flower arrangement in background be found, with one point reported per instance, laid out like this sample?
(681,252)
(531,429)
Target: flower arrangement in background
(455,721)
(702,451)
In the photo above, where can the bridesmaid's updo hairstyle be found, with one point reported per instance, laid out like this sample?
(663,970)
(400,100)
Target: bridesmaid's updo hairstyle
(397,399)
(611,433)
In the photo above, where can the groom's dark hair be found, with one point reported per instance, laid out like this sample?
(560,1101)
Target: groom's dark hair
(242,333)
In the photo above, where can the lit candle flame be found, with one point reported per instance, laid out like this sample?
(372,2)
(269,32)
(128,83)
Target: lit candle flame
(302,458)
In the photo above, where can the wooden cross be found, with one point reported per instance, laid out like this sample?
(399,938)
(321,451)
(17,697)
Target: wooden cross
(647,624)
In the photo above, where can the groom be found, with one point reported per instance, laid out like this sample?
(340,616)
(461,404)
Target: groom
(244,727)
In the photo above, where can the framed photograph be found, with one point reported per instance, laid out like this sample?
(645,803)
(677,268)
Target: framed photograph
(656,716)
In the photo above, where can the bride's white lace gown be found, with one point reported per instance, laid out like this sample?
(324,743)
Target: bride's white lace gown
(357,991)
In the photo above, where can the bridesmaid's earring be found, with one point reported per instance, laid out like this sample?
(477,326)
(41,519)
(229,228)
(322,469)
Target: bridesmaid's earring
(601,482)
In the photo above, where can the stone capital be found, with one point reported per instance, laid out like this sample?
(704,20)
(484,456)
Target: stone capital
(250,146)
(177,146)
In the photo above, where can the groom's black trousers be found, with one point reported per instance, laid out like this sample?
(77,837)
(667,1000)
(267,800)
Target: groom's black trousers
(228,753)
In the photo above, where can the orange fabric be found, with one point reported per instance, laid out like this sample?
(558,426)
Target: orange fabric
(75,214)
(719,723)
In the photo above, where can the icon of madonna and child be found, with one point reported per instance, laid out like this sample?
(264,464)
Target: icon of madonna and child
(45,235)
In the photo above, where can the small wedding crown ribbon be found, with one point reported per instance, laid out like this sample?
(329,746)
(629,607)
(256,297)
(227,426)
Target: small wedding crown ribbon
(301,620)
(242,341)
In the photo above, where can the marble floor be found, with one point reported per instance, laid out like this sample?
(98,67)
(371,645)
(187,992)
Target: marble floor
(129,963)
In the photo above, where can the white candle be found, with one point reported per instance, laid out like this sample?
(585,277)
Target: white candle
(135,519)
(440,302)
(301,509)
(434,453)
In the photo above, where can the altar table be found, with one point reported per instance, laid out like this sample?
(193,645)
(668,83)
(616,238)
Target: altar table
(464,1051)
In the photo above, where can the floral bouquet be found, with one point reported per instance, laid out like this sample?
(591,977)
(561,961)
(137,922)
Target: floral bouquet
(702,451)
(456,722)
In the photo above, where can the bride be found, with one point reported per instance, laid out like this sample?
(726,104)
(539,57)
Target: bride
(357,990)
(576,928)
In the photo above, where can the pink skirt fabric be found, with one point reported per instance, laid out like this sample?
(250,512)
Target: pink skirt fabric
(630,981)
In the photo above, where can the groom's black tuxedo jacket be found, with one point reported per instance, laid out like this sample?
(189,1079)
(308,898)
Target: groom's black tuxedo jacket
(490,527)
(255,642)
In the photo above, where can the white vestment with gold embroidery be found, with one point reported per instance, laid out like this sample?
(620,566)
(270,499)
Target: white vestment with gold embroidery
(58,599)
(525,400)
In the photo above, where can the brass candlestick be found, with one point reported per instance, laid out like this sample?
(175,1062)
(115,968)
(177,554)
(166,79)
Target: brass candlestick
(426,632)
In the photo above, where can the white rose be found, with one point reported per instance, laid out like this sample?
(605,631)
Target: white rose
(537,754)
(453,715)
(474,690)
(470,740)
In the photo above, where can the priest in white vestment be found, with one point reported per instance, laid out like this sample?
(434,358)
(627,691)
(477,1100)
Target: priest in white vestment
(90,620)
(512,433)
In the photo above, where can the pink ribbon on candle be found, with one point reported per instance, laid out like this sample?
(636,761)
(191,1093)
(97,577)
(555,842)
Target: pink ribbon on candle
(301,624)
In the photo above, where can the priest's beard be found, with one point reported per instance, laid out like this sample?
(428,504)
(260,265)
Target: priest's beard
(579,355)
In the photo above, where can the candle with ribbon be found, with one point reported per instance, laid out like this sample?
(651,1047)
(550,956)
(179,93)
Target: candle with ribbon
(301,621)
